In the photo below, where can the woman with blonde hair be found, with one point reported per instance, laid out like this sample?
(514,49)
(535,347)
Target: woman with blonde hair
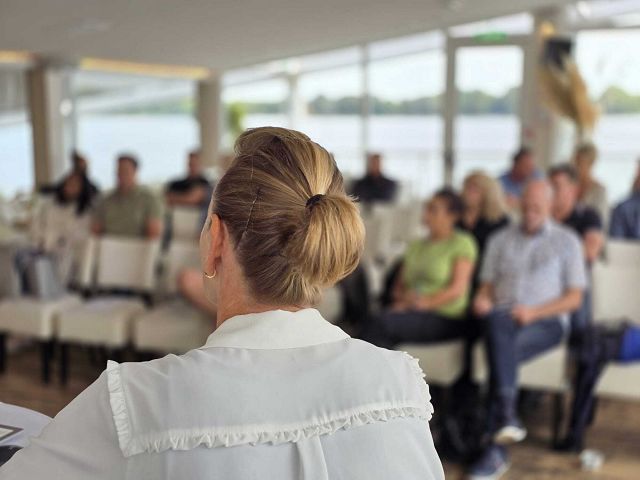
(485,209)
(276,391)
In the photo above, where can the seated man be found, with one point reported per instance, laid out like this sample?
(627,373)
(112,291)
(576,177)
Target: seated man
(374,186)
(625,218)
(523,170)
(532,278)
(130,210)
(585,221)
(192,191)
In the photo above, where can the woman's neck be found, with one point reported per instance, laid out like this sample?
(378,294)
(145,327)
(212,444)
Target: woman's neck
(471,216)
(441,235)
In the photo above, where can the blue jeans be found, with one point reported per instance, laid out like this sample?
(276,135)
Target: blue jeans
(509,344)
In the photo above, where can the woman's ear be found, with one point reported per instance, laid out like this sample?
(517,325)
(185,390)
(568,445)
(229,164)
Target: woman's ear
(216,242)
(217,232)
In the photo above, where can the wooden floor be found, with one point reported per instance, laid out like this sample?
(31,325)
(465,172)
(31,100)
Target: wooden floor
(616,431)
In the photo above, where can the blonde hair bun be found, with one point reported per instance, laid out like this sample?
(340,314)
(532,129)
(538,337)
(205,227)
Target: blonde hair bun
(289,248)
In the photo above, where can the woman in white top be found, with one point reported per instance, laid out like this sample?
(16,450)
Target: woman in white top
(61,223)
(277,392)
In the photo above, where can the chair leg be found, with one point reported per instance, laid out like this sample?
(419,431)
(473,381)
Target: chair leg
(3,352)
(64,363)
(46,353)
(557,418)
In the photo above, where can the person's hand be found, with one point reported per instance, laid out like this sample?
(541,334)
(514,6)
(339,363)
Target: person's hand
(421,302)
(482,305)
(399,306)
(523,315)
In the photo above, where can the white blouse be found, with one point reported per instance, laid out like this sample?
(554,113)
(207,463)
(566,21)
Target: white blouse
(274,395)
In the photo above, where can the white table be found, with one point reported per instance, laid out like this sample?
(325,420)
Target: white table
(30,421)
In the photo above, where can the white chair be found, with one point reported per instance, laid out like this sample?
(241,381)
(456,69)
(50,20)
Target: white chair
(186,223)
(33,318)
(173,326)
(623,253)
(105,321)
(181,254)
(330,306)
(615,297)
(442,363)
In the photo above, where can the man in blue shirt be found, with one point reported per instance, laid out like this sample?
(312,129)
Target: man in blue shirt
(532,278)
(625,218)
(522,170)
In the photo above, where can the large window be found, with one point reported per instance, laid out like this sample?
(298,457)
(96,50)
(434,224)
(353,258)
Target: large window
(254,104)
(487,125)
(152,118)
(406,80)
(16,156)
(609,61)
(331,114)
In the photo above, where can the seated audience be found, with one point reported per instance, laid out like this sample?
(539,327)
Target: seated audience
(583,220)
(567,209)
(625,218)
(432,289)
(523,170)
(80,166)
(485,211)
(277,392)
(192,191)
(130,210)
(374,186)
(590,192)
(62,223)
(533,276)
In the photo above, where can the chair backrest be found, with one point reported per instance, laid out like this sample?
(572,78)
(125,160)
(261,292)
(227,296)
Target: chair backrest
(623,253)
(378,227)
(181,254)
(615,292)
(186,223)
(127,263)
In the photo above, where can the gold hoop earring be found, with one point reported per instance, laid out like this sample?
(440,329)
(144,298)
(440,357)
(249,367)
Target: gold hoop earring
(210,276)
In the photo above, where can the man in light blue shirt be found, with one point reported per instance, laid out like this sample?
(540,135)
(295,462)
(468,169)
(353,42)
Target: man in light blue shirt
(533,276)
(625,218)
(523,169)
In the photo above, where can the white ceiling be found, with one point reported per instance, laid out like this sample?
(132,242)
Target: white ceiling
(220,34)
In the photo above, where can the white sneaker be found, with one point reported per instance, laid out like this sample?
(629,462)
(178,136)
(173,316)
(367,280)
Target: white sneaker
(510,433)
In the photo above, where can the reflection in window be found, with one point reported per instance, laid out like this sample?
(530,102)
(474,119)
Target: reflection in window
(152,118)
(609,61)
(16,155)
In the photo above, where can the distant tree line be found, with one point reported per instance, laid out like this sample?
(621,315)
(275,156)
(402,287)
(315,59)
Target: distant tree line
(614,100)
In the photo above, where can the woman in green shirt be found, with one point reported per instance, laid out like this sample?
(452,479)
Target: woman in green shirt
(431,293)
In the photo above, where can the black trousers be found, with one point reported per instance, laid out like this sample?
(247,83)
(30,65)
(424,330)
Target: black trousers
(392,328)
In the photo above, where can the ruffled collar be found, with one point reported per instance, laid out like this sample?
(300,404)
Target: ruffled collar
(275,329)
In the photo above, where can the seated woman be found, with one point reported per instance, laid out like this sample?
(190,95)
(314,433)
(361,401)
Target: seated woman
(60,225)
(485,212)
(277,392)
(432,289)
